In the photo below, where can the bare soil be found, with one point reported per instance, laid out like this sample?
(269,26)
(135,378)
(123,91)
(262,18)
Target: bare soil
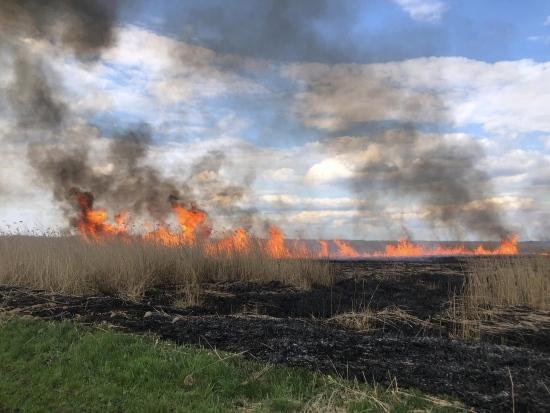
(382,321)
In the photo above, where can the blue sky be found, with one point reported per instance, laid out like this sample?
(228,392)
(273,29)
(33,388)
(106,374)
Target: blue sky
(335,119)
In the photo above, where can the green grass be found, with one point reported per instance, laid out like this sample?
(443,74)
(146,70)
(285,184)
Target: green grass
(66,367)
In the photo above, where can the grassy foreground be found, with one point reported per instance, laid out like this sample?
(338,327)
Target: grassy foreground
(65,367)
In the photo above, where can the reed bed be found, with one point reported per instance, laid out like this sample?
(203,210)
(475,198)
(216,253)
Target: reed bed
(506,281)
(130,266)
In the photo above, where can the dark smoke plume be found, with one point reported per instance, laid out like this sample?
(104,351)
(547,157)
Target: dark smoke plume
(85,27)
(129,183)
(34,95)
(81,27)
(444,176)
(290,31)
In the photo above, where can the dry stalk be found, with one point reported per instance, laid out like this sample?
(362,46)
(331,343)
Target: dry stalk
(130,266)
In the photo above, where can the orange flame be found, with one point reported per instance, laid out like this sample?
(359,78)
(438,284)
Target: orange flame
(324,249)
(300,249)
(165,237)
(508,246)
(276,244)
(404,248)
(92,225)
(238,243)
(189,221)
(344,250)
(91,222)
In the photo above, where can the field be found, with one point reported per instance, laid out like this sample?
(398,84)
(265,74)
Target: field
(475,328)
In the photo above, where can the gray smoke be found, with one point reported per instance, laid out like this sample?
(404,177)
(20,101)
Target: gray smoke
(289,31)
(219,194)
(34,95)
(81,27)
(443,175)
(85,27)
(129,183)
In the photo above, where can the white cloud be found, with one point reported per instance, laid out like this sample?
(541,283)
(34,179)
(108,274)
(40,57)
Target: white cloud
(423,10)
(174,71)
(314,217)
(281,174)
(296,202)
(541,39)
(330,170)
(547,21)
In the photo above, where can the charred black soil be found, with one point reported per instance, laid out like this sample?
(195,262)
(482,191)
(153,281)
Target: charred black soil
(382,321)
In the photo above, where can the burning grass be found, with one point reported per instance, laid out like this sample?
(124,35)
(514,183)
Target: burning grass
(131,265)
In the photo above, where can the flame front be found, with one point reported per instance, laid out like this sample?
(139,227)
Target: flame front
(238,243)
(92,225)
(276,244)
(344,250)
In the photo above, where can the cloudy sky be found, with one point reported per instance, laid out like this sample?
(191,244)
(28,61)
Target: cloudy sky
(330,119)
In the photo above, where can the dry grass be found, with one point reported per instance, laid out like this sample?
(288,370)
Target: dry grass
(368,319)
(129,267)
(507,282)
(501,294)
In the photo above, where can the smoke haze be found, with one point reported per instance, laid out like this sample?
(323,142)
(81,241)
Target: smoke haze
(332,108)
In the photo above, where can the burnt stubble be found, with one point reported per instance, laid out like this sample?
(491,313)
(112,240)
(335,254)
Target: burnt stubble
(381,321)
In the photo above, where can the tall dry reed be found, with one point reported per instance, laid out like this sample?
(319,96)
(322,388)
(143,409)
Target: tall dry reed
(507,281)
(69,264)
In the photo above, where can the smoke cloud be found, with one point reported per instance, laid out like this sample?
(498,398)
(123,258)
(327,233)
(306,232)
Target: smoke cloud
(443,175)
(128,182)
(81,27)
(34,95)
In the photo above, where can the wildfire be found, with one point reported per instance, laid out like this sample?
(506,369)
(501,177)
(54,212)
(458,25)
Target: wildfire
(191,229)
(344,250)
(237,243)
(324,249)
(188,221)
(276,244)
(91,222)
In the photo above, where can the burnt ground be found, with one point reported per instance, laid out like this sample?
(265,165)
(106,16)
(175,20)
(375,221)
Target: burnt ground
(382,321)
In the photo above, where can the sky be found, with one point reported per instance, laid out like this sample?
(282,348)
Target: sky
(329,119)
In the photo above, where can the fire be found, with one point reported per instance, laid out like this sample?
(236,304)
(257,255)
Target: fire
(324,249)
(300,249)
(404,248)
(188,221)
(276,244)
(238,243)
(344,250)
(165,237)
(91,223)
(191,229)
(508,246)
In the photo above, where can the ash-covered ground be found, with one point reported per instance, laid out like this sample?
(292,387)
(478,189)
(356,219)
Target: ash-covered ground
(382,321)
